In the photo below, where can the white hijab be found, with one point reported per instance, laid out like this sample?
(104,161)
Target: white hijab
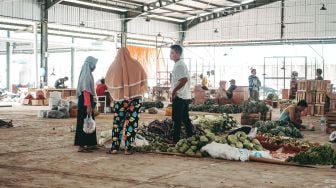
(86,81)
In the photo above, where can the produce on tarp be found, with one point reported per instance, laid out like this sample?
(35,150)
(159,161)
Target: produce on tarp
(323,155)
(191,146)
(241,140)
(278,128)
(212,107)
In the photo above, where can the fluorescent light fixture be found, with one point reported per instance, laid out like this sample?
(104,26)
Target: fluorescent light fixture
(57,32)
(166,18)
(96,5)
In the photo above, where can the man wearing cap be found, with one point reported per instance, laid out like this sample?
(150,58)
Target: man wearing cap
(232,87)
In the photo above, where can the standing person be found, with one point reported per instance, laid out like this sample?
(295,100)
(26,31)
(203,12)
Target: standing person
(181,95)
(59,83)
(232,87)
(293,85)
(126,80)
(85,93)
(254,84)
(319,74)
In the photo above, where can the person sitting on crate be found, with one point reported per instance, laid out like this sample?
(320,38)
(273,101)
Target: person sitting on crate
(292,114)
(319,74)
(60,83)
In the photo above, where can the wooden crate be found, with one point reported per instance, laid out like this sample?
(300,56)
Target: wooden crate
(310,110)
(266,117)
(37,102)
(311,97)
(240,95)
(300,95)
(311,85)
(332,96)
(302,85)
(332,106)
(285,93)
(319,110)
(249,118)
(331,117)
(322,85)
(320,97)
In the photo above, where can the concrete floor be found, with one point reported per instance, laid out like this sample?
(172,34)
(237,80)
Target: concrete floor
(40,153)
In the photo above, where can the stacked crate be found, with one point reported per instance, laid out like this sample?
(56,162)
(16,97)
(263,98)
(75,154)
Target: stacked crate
(331,121)
(332,102)
(314,92)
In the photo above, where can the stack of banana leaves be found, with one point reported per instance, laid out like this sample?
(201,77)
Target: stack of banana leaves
(322,155)
(216,124)
(278,128)
(212,107)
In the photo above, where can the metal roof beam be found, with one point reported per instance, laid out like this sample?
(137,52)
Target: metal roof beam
(227,11)
(207,3)
(92,4)
(52,3)
(149,7)
(234,1)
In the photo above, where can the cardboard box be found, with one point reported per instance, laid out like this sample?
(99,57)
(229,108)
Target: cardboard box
(26,101)
(37,102)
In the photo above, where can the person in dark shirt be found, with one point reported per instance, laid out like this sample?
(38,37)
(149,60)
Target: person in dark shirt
(232,87)
(319,74)
(60,82)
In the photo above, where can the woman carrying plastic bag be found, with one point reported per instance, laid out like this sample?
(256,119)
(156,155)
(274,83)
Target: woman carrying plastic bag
(85,91)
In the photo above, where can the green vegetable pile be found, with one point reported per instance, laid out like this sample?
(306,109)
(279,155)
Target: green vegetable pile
(151,104)
(192,145)
(278,128)
(164,129)
(240,140)
(212,107)
(156,142)
(323,155)
(252,106)
(272,96)
(215,124)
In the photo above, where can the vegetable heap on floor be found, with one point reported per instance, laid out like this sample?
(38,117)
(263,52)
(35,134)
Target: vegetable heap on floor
(323,155)
(241,140)
(278,128)
(252,106)
(215,124)
(212,107)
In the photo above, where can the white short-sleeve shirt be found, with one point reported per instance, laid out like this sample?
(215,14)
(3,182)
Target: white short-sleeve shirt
(180,70)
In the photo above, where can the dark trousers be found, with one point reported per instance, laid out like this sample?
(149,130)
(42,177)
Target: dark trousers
(181,113)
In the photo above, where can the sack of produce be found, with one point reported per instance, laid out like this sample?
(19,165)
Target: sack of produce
(225,151)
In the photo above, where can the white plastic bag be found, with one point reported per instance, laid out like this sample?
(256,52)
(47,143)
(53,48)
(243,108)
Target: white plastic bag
(253,132)
(225,151)
(89,125)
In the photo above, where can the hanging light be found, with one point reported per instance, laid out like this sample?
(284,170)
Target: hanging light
(53,72)
(323,7)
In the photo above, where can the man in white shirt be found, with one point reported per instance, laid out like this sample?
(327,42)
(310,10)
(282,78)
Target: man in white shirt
(181,95)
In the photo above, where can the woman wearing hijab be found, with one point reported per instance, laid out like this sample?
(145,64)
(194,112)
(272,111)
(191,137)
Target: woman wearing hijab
(85,93)
(126,81)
